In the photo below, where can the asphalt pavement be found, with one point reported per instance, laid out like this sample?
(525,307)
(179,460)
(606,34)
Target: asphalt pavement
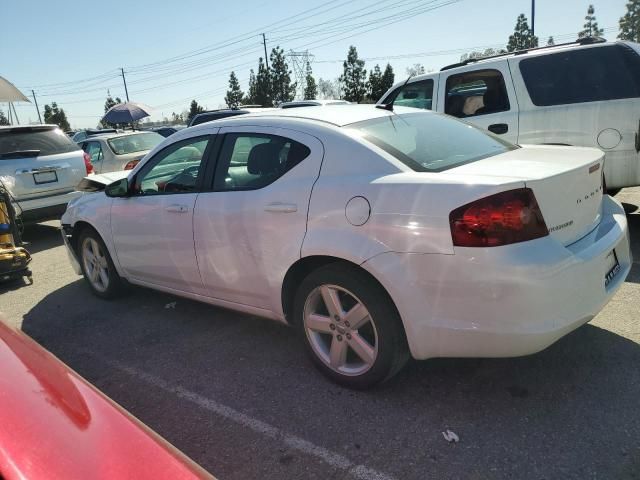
(238,395)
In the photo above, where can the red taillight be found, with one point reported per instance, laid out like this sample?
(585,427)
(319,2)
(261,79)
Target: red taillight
(130,165)
(507,217)
(87,163)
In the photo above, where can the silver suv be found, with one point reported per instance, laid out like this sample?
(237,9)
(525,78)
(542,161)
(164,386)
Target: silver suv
(40,166)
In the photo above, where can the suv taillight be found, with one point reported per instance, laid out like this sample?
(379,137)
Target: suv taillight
(87,163)
(506,217)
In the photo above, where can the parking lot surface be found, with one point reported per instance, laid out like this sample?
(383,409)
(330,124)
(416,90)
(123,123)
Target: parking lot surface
(238,395)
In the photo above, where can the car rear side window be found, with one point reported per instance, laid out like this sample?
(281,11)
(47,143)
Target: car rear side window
(36,141)
(415,94)
(477,92)
(586,75)
(430,142)
(249,161)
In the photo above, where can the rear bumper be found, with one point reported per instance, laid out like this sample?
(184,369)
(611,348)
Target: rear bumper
(505,301)
(44,208)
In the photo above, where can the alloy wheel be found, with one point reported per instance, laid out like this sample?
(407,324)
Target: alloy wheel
(95,263)
(340,330)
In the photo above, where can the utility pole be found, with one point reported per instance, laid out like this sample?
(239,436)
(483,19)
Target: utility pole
(124,80)
(15,114)
(36,102)
(266,59)
(533,22)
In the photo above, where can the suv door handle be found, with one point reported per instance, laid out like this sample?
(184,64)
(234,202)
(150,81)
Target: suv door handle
(498,128)
(278,207)
(177,208)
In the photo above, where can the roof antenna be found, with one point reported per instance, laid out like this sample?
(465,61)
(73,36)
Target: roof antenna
(389,106)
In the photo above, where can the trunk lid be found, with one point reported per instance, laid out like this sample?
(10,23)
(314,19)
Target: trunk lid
(567,183)
(39,160)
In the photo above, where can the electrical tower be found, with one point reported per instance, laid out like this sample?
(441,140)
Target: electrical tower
(299,62)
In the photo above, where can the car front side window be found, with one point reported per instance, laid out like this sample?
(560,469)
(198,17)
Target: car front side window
(414,94)
(251,161)
(175,169)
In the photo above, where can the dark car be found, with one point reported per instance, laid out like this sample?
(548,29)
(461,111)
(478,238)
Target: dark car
(165,131)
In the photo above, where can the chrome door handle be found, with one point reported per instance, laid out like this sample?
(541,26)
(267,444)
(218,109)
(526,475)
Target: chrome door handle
(278,207)
(177,208)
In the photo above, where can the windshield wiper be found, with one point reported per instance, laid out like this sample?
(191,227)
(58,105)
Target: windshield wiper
(20,154)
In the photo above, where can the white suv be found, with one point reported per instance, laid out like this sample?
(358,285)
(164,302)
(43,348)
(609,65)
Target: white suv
(40,166)
(585,93)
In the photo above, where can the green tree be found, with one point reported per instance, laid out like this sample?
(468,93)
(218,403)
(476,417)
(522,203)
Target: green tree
(489,52)
(630,22)
(282,90)
(329,90)
(522,37)
(251,94)
(310,89)
(263,95)
(110,102)
(388,79)
(354,77)
(56,116)
(176,118)
(591,25)
(374,84)
(551,41)
(3,119)
(234,94)
(194,109)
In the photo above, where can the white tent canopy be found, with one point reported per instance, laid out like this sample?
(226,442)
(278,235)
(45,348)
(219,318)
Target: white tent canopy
(9,92)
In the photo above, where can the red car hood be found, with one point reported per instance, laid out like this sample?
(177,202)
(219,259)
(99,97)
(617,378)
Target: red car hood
(53,424)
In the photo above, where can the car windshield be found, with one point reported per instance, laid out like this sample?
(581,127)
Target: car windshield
(134,143)
(429,142)
(35,141)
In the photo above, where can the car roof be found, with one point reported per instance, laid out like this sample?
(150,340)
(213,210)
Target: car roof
(28,127)
(338,115)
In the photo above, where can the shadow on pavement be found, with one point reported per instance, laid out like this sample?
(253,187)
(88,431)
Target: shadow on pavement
(570,411)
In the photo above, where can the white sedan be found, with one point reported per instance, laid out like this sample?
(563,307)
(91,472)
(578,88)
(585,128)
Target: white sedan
(379,234)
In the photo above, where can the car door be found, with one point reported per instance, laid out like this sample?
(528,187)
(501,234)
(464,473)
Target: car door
(153,227)
(249,229)
(94,150)
(483,96)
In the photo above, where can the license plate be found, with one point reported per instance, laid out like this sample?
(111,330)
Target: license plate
(45,177)
(613,267)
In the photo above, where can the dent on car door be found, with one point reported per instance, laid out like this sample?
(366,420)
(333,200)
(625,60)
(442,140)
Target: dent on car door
(483,97)
(249,229)
(152,227)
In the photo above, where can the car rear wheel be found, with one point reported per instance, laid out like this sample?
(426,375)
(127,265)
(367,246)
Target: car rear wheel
(97,265)
(351,327)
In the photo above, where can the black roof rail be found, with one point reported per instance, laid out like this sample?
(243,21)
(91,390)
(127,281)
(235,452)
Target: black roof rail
(579,41)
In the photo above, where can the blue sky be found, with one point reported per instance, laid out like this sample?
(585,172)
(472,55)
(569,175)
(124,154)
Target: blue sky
(71,51)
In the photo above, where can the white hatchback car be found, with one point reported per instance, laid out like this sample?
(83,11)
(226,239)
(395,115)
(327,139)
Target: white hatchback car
(377,233)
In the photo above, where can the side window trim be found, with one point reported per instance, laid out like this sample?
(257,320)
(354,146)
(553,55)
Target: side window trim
(159,156)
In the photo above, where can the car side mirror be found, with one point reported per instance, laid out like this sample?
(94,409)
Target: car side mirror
(118,189)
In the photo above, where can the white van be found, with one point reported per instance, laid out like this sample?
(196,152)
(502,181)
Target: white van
(585,93)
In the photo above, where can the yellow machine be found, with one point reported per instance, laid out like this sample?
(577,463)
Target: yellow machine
(14,259)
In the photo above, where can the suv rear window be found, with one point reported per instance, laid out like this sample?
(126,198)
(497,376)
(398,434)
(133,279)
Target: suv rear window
(34,141)
(430,142)
(586,75)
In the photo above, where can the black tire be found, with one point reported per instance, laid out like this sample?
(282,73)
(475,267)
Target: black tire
(115,284)
(392,349)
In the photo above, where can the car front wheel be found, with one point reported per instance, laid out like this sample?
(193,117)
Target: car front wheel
(97,265)
(351,328)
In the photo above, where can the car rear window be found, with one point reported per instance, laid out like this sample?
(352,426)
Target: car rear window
(586,75)
(36,141)
(430,142)
(134,143)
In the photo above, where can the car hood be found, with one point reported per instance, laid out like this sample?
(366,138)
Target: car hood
(79,432)
(97,183)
